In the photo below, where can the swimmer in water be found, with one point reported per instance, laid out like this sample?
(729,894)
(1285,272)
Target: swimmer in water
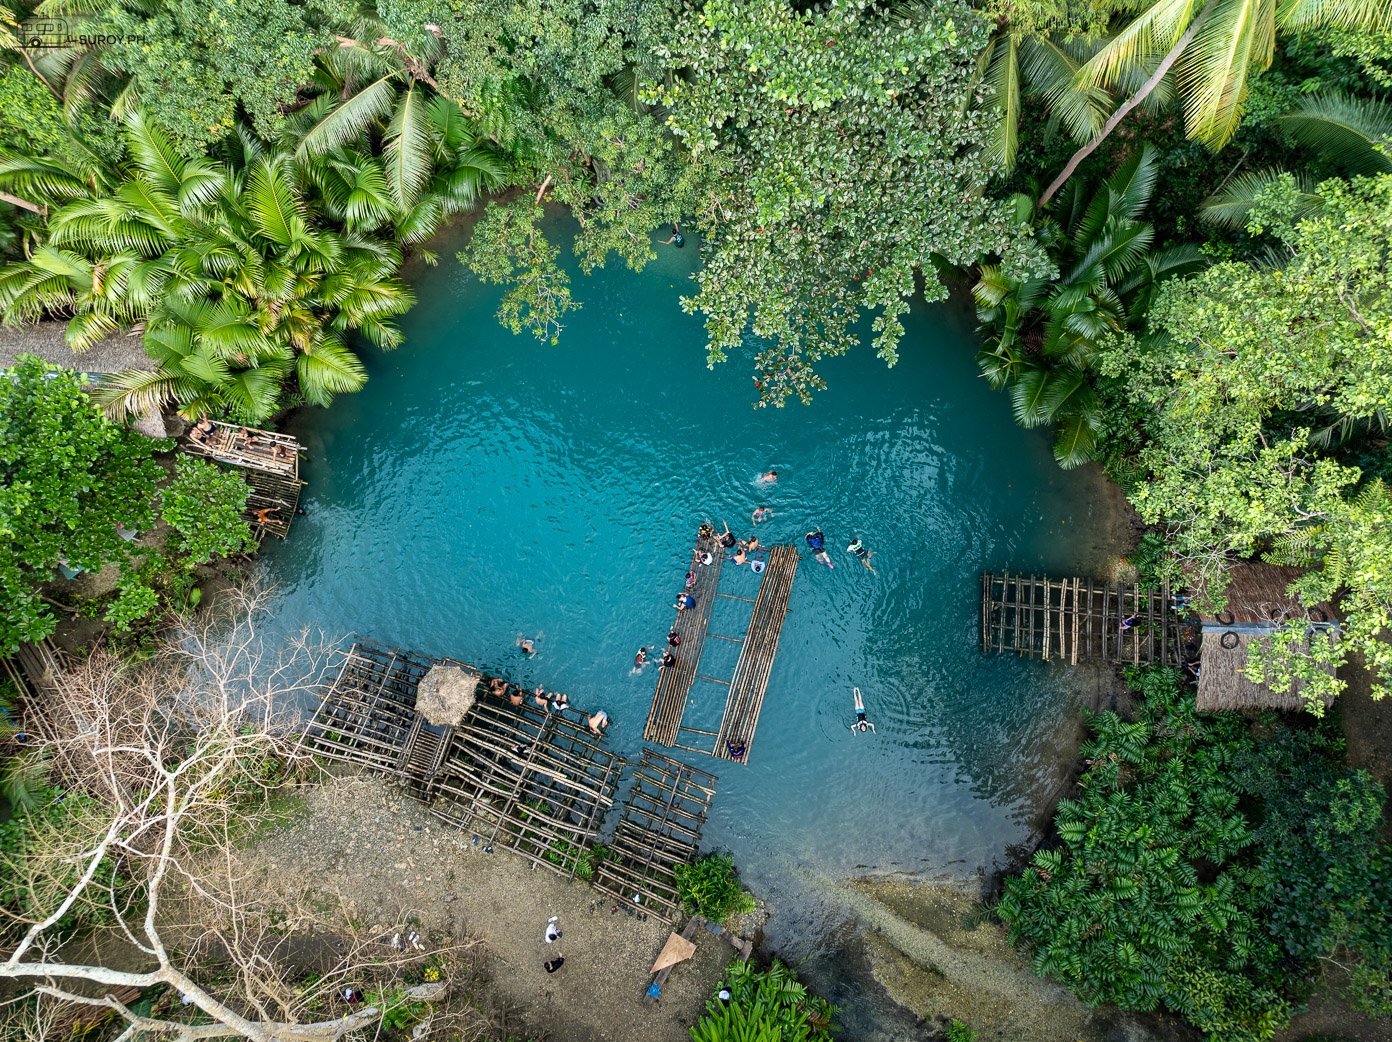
(527,645)
(739,557)
(858,548)
(816,542)
(861,724)
(639,661)
(677,239)
(768,477)
(760,515)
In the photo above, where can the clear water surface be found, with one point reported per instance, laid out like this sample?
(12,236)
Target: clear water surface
(485,486)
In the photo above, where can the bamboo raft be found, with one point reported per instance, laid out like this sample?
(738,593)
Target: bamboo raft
(751,676)
(659,828)
(270,463)
(669,700)
(1079,620)
(521,777)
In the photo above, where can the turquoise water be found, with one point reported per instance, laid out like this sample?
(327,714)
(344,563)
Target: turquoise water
(484,486)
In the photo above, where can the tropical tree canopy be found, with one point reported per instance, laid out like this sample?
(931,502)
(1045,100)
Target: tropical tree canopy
(839,158)
(1252,372)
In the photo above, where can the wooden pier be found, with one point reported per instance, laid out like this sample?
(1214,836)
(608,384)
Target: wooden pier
(517,776)
(268,460)
(1079,620)
(659,829)
(673,684)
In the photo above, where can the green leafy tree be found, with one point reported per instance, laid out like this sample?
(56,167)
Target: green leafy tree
(839,161)
(1146,901)
(70,477)
(203,504)
(1047,331)
(1251,375)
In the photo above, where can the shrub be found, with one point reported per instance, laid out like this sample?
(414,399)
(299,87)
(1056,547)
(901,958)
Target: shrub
(710,887)
(765,1006)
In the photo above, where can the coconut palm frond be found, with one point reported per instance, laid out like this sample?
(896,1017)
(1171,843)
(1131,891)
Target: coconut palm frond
(1355,133)
(1052,75)
(408,148)
(353,117)
(1234,43)
(1231,205)
(998,68)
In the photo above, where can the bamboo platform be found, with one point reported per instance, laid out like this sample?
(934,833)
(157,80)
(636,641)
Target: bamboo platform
(673,684)
(527,779)
(659,829)
(750,679)
(1079,620)
(270,463)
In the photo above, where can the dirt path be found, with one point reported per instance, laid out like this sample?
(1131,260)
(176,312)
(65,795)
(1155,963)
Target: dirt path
(365,843)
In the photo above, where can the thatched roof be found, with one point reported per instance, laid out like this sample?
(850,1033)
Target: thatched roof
(1222,683)
(1257,594)
(446,693)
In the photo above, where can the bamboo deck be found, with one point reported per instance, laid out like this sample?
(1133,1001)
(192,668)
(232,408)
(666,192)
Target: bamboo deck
(270,463)
(659,829)
(669,700)
(519,777)
(1079,620)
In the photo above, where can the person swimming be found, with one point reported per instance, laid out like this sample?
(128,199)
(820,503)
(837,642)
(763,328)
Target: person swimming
(527,645)
(861,724)
(768,477)
(858,548)
(676,239)
(739,556)
(760,515)
(816,541)
(640,660)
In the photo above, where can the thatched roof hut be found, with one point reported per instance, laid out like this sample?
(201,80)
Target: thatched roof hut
(1258,603)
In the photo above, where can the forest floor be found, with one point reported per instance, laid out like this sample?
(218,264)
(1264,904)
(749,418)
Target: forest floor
(363,844)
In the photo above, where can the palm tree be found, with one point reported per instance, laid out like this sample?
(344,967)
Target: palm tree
(1047,331)
(238,280)
(1213,47)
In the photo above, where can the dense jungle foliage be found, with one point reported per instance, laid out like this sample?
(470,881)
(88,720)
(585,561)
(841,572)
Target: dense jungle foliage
(1210,871)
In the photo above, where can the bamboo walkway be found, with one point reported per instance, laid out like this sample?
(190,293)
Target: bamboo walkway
(673,684)
(270,463)
(659,829)
(1079,620)
(520,777)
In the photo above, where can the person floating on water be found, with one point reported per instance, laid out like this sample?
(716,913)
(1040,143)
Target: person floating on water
(640,660)
(760,515)
(677,238)
(705,531)
(861,724)
(858,548)
(768,477)
(817,543)
(527,645)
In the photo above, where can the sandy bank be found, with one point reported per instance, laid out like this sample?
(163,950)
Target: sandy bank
(362,842)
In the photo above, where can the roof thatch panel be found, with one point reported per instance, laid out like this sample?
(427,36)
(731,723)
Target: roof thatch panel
(1223,684)
(1257,592)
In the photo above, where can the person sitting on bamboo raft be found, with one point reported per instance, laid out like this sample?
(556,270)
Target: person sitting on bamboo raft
(735,748)
(684,601)
(516,697)
(560,702)
(668,660)
(739,557)
(706,531)
(202,431)
(539,696)
(598,722)
(861,724)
